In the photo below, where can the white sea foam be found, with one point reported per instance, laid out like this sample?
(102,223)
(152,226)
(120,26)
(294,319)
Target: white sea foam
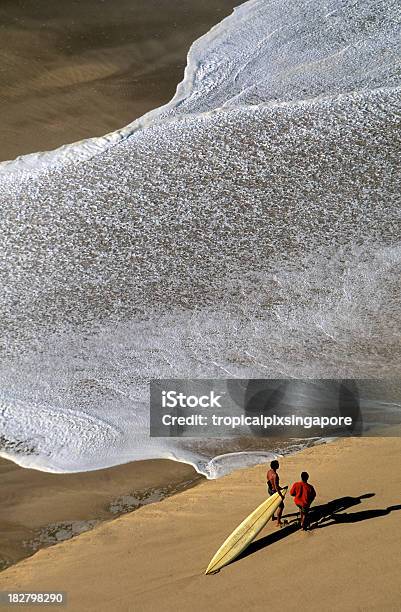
(247,229)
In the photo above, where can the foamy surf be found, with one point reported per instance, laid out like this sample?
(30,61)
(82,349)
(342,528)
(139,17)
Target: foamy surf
(247,229)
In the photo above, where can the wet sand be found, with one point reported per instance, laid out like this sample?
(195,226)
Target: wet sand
(38,508)
(74,70)
(155,557)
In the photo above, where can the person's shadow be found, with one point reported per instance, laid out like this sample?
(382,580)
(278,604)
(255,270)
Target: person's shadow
(354,517)
(318,518)
(322,513)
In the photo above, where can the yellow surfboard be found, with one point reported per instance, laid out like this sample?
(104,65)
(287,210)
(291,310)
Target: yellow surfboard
(247,531)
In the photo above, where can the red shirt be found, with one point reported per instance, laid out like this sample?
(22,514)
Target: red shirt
(304,494)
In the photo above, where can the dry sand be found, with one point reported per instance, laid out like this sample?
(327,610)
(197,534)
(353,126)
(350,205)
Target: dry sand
(154,558)
(73,70)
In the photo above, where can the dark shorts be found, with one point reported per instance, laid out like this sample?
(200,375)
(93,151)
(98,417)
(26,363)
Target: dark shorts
(271,492)
(304,510)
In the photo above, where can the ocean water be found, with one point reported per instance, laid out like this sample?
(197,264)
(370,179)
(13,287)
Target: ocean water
(249,228)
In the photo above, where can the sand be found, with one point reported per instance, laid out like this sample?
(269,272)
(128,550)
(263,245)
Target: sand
(154,558)
(74,70)
(39,508)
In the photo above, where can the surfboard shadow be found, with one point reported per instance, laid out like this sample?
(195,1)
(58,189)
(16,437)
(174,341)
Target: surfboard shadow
(267,540)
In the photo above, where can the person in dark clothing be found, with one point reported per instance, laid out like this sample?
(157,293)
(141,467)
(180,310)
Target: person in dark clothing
(273,486)
(303,494)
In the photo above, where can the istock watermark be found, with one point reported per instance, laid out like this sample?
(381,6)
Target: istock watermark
(287,408)
(172,399)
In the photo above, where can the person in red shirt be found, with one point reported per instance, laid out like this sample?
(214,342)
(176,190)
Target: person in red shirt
(273,486)
(303,494)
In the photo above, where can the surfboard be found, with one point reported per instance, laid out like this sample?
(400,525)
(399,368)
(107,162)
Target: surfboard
(247,531)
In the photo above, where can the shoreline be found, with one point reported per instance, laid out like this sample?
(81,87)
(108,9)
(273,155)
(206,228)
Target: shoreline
(159,552)
(126,488)
(129,486)
(41,509)
(89,69)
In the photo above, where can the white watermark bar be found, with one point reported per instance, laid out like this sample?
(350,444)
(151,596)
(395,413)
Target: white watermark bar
(286,408)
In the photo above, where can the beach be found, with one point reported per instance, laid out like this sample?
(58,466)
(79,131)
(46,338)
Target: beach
(155,557)
(82,69)
(40,508)
(246,230)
